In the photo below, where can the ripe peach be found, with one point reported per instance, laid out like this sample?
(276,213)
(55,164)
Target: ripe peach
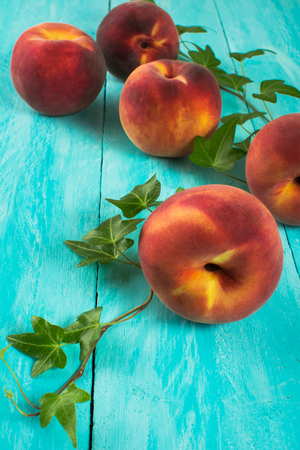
(212,254)
(57,68)
(135,33)
(273,168)
(165,104)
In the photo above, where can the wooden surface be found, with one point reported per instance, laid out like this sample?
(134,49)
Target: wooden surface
(157,382)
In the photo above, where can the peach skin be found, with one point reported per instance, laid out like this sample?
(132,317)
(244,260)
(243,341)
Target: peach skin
(273,168)
(136,33)
(165,104)
(212,254)
(57,69)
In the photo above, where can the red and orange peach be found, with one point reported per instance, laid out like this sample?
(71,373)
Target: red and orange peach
(165,104)
(212,254)
(57,68)
(273,168)
(136,33)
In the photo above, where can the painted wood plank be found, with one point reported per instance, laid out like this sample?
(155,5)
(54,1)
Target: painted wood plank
(50,190)
(163,382)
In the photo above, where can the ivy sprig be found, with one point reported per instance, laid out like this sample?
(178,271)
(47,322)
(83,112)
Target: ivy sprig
(86,331)
(141,197)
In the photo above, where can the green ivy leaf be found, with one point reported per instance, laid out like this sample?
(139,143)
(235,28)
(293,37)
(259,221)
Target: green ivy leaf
(111,231)
(244,145)
(269,88)
(141,197)
(63,408)
(193,29)
(8,394)
(85,331)
(233,81)
(105,243)
(204,57)
(179,189)
(218,151)
(241,56)
(103,254)
(44,345)
(242,117)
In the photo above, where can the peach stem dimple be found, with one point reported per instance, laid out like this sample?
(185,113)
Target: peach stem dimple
(297,180)
(211,267)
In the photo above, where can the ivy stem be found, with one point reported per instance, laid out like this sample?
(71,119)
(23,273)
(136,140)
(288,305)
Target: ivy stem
(150,210)
(246,130)
(267,109)
(184,44)
(20,387)
(235,178)
(243,72)
(130,262)
(22,412)
(81,369)
(244,100)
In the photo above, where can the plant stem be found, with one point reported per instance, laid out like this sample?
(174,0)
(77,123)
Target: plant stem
(235,178)
(130,262)
(184,44)
(150,210)
(268,110)
(22,412)
(19,386)
(244,100)
(80,371)
(245,87)
(246,130)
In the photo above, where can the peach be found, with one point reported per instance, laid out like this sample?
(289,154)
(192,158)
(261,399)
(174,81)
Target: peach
(165,104)
(136,33)
(273,168)
(57,69)
(212,254)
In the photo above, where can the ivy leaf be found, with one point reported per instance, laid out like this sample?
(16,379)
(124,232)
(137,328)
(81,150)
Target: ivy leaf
(85,331)
(179,189)
(233,81)
(3,351)
(204,57)
(243,117)
(8,394)
(111,231)
(63,408)
(103,254)
(141,197)
(218,152)
(241,56)
(244,145)
(105,243)
(44,345)
(192,29)
(269,88)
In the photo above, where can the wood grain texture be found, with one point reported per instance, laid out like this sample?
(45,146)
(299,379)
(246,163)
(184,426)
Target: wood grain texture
(159,381)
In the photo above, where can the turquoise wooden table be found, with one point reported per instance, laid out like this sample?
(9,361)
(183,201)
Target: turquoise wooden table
(157,381)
